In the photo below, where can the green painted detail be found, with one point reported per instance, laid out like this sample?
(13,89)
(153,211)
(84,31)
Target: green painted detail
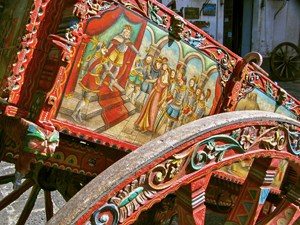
(54,137)
(199,158)
(33,132)
(132,195)
(243,219)
(253,194)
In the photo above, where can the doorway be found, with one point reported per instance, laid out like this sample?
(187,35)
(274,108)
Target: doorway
(233,25)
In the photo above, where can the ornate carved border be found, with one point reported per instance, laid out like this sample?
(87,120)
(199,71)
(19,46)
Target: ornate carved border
(173,160)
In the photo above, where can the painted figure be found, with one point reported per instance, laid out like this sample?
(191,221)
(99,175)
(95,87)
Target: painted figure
(189,102)
(117,49)
(91,81)
(199,106)
(146,120)
(165,65)
(172,82)
(135,80)
(174,106)
(149,81)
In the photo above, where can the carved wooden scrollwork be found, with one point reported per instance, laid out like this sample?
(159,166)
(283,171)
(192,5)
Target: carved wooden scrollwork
(196,157)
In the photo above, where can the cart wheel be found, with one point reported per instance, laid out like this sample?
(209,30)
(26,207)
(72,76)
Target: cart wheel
(27,183)
(45,179)
(174,172)
(285,61)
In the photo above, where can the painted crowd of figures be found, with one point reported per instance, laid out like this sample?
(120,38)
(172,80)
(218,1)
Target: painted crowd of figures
(161,94)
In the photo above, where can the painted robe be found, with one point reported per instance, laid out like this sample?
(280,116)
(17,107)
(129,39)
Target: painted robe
(146,120)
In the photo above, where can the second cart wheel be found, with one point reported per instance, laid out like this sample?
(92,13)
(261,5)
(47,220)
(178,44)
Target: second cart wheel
(285,61)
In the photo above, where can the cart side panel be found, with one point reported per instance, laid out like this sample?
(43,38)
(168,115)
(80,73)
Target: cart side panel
(157,84)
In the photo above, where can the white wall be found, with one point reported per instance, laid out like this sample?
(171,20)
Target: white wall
(216,22)
(268,32)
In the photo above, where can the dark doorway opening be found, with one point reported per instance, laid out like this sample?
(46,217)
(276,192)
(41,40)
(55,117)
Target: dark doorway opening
(233,21)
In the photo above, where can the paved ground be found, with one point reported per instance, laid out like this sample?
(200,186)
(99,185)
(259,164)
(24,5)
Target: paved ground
(10,215)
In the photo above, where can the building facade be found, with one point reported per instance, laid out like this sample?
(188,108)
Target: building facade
(244,26)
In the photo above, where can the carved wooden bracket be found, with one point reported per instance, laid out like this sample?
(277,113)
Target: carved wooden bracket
(27,141)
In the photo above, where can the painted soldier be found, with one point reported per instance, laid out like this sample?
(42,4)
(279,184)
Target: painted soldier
(174,106)
(189,101)
(200,103)
(91,81)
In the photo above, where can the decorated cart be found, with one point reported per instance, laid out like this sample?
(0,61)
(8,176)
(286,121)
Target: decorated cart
(138,117)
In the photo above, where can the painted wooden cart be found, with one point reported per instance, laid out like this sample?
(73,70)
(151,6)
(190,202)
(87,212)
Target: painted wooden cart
(137,116)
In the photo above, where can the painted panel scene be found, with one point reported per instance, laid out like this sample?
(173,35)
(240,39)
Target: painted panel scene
(133,83)
(257,100)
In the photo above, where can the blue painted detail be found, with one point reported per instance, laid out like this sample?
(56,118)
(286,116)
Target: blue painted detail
(263,195)
(294,142)
(105,218)
(248,206)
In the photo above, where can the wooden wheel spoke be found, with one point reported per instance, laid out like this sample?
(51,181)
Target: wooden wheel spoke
(286,49)
(294,67)
(29,205)
(291,73)
(285,61)
(282,71)
(255,191)
(278,61)
(15,194)
(295,57)
(278,67)
(281,52)
(48,205)
(7,178)
(278,56)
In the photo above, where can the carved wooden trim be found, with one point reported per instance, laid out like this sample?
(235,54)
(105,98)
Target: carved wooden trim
(29,42)
(170,154)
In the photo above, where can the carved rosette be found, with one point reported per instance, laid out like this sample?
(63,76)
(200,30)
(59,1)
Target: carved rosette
(107,214)
(273,138)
